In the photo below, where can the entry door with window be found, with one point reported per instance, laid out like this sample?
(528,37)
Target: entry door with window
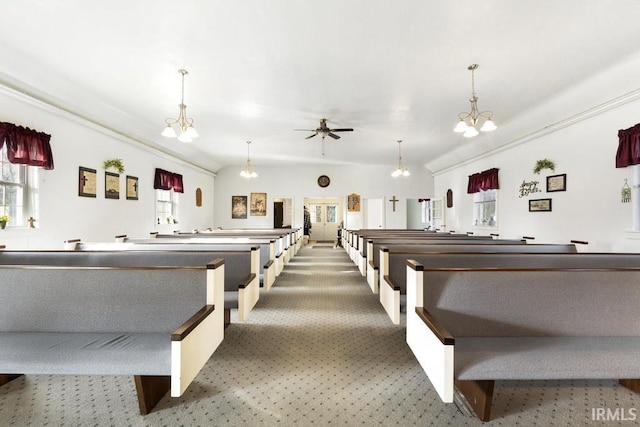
(324,221)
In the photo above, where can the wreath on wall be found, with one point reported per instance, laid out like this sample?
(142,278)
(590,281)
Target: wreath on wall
(544,164)
(115,164)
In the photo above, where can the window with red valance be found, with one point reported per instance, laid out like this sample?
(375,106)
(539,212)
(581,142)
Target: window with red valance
(483,181)
(26,146)
(165,180)
(628,147)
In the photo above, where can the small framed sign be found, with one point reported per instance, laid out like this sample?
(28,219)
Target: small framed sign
(87,182)
(132,187)
(557,183)
(111,185)
(540,205)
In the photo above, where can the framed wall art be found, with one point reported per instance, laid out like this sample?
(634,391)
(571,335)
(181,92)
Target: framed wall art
(557,183)
(86,182)
(238,207)
(111,185)
(540,205)
(353,203)
(132,187)
(258,204)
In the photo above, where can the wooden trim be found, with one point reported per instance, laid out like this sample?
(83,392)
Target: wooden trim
(391,283)
(440,331)
(188,326)
(247,281)
(268,264)
(121,236)
(415,265)
(227,317)
(528,238)
(72,241)
(631,384)
(479,395)
(89,268)
(5,378)
(151,389)
(215,263)
(375,267)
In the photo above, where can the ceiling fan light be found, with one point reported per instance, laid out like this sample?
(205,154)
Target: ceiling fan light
(169,131)
(460,127)
(396,173)
(406,172)
(470,132)
(488,126)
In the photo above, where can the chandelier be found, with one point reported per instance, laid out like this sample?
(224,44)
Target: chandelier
(400,170)
(248,171)
(184,124)
(468,121)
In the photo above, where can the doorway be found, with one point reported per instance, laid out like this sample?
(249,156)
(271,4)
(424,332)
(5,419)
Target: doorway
(326,215)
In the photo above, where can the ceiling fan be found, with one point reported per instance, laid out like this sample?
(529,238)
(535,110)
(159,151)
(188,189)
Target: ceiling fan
(324,130)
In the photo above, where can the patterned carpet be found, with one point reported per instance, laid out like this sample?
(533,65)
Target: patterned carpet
(318,349)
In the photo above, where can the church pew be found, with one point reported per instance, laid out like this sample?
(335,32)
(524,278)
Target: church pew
(269,260)
(559,323)
(242,285)
(393,262)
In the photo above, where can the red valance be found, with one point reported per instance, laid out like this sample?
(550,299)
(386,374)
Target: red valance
(628,147)
(26,146)
(482,181)
(165,180)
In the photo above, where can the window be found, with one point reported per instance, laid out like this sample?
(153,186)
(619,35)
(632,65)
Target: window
(18,191)
(166,207)
(485,209)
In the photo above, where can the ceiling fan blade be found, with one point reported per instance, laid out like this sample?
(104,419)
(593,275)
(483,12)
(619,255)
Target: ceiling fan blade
(306,130)
(342,130)
(311,136)
(333,135)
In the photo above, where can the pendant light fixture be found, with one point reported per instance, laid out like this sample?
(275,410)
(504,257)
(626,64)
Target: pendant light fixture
(183,123)
(468,121)
(248,171)
(400,170)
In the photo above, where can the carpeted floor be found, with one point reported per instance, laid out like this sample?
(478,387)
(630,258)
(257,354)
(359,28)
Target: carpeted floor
(318,349)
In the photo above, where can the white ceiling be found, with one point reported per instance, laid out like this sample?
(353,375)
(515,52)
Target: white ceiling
(260,68)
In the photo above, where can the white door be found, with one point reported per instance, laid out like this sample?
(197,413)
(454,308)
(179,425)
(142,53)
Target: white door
(324,221)
(374,213)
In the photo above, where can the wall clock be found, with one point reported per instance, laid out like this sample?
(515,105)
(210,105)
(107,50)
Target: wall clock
(323,181)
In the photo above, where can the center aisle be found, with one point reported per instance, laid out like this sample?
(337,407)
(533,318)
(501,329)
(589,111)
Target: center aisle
(317,348)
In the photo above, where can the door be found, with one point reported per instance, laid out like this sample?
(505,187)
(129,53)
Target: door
(374,213)
(278,214)
(324,221)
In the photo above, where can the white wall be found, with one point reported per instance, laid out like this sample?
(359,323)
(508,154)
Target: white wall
(298,182)
(590,209)
(64,215)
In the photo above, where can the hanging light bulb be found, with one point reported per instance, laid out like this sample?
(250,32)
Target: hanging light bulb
(400,170)
(467,121)
(248,171)
(183,123)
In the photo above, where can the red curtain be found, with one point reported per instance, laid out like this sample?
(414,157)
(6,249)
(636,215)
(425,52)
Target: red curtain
(165,180)
(628,147)
(482,181)
(26,146)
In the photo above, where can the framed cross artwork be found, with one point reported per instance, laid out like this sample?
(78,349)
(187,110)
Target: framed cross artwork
(86,182)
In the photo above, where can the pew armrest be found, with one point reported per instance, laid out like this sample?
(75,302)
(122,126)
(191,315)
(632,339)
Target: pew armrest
(438,330)
(192,344)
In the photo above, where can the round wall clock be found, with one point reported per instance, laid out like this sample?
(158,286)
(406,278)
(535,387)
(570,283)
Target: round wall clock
(323,181)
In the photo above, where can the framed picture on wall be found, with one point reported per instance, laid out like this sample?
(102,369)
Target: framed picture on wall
(557,183)
(258,204)
(238,207)
(87,182)
(111,185)
(540,205)
(132,187)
